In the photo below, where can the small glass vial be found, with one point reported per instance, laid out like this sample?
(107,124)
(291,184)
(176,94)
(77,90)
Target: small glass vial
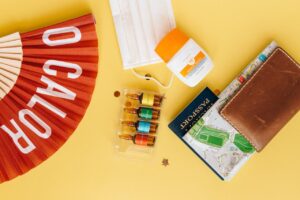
(133,114)
(143,99)
(144,140)
(140,139)
(143,127)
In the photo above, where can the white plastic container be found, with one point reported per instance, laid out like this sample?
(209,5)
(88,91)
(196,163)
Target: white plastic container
(184,57)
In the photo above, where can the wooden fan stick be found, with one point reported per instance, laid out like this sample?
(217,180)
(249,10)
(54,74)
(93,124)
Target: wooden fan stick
(11,55)
(12,50)
(10,63)
(16,43)
(9,75)
(2,93)
(6,80)
(5,84)
(11,37)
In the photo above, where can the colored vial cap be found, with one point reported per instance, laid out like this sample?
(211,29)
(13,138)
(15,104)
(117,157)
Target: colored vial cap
(148,99)
(171,44)
(144,127)
(144,140)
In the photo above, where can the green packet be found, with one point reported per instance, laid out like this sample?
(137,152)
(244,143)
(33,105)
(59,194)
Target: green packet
(217,138)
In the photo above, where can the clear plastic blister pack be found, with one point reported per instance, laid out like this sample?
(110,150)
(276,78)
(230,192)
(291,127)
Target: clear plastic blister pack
(139,122)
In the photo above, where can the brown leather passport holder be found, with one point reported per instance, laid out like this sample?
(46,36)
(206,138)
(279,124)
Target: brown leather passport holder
(267,101)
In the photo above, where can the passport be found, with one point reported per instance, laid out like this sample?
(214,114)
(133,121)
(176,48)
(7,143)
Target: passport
(190,115)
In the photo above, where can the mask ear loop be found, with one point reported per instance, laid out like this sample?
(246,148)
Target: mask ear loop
(145,77)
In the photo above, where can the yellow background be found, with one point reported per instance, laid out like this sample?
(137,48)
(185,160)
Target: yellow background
(233,32)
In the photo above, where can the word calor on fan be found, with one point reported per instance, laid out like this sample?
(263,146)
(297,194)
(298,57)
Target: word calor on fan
(53,89)
(47,77)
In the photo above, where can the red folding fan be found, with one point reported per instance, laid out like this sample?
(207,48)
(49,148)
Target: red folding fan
(47,78)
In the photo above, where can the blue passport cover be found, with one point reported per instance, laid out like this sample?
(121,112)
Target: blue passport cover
(193,112)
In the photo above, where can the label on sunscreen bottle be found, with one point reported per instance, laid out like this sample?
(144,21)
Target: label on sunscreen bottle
(184,57)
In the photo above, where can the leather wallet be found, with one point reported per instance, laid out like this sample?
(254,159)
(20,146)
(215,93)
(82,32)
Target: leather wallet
(269,99)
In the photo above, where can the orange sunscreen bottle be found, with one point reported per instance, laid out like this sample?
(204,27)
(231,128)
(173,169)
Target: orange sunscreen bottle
(184,57)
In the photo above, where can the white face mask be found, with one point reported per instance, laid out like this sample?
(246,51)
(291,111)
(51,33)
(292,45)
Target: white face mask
(140,25)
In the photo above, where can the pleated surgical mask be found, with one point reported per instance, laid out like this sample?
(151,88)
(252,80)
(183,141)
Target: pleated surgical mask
(140,25)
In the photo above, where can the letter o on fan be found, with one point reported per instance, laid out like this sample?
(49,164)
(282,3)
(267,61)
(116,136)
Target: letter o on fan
(76,36)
